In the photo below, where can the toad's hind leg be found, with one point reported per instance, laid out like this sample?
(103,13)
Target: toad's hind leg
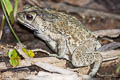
(80,59)
(97,63)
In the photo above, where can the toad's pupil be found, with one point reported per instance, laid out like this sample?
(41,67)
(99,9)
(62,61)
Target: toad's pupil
(29,17)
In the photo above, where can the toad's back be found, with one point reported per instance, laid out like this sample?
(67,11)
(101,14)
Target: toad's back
(70,27)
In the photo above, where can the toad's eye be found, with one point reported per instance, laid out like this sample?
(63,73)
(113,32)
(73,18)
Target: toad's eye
(29,17)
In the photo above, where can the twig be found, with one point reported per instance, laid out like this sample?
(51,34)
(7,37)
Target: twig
(112,75)
(52,68)
(53,76)
(110,55)
(110,33)
(19,49)
(63,73)
(110,46)
(40,50)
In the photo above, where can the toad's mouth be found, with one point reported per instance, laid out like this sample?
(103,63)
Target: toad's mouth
(28,25)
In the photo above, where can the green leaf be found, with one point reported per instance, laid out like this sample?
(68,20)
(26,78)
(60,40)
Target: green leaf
(16,7)
(118,68)
(25,51)
(12,52)
(30,53)
(14,58)
(14,61)
(3,21)
(9,9)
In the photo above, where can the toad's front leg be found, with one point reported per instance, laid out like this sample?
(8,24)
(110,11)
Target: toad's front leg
(61,47)
(50,42)
(56,42)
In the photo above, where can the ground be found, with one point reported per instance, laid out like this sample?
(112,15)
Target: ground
(93,22)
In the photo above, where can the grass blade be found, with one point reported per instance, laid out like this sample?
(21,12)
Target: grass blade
(16,7)
(6,16)
(9,9)
(2,26)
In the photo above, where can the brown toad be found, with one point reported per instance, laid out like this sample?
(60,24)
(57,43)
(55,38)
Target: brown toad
(64,34)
